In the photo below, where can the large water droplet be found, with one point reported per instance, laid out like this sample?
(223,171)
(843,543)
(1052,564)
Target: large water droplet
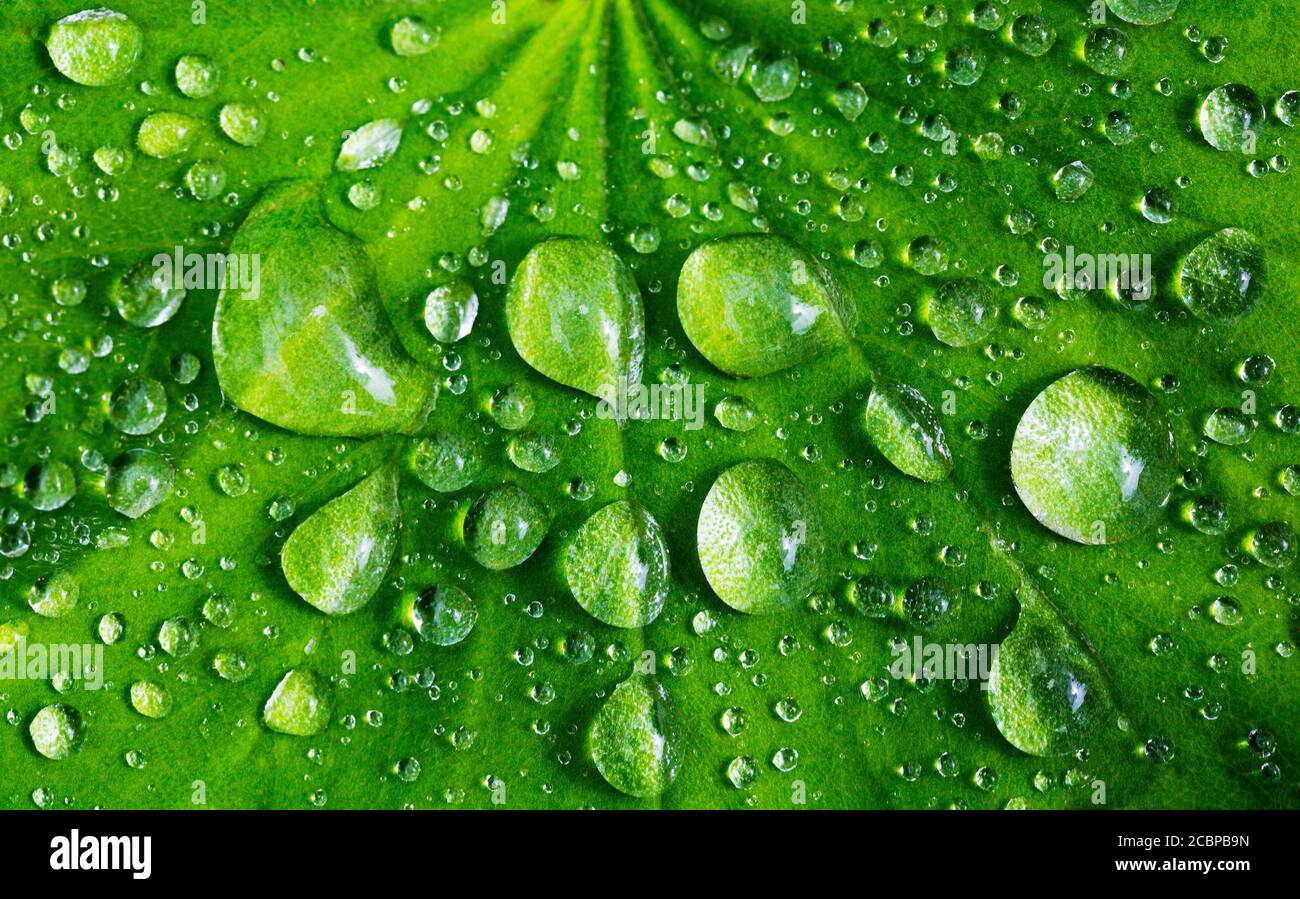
(304,344)
(753,305)
(632,740)
(617,565)
(760,538)
(95,47)
(337,558)
(574,314)
(1144,12)
(1232,118)
(57,731)
(1046,692)
(1093,457)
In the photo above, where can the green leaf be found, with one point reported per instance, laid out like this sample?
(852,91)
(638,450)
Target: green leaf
(891,155)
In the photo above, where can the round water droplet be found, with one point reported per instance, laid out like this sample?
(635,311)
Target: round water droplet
(534,453)
(1232,118)
(632,739)
(512,407)
(1107,51)
(450,310)
(617,566)
(412,36)
(1071,181)
(444,615)
(504,527)
(48,485)
(166,134)
(244,124)
(148,295)
(760,538)
(95,47)
(138,406)
(735,413)
(444,462)
(177,637)
(197,76)
(150,699)
(1208,514)
(773,78)
(137,481)
(1143,12)
(1032,34)
(1093,457)
(1223,277)
(961,312)
(1272,544)
(205,179)
(927,601)
(905,429)
(57,731)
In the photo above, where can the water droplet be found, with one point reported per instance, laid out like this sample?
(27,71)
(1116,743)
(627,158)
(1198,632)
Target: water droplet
(444,615)
(137,481)
(760,538)
(632,739)
(299,706)
(1093,457)
(1222,278)
(504,527)
(754,305)
(336,559)
(95,47)
(617,566)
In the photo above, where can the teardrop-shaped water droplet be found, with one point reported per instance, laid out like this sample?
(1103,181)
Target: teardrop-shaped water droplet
(299,706)
(370,146)
(1046,692)
(574,314)
(905,429)
(300,340)
(754,305)
(337,558)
